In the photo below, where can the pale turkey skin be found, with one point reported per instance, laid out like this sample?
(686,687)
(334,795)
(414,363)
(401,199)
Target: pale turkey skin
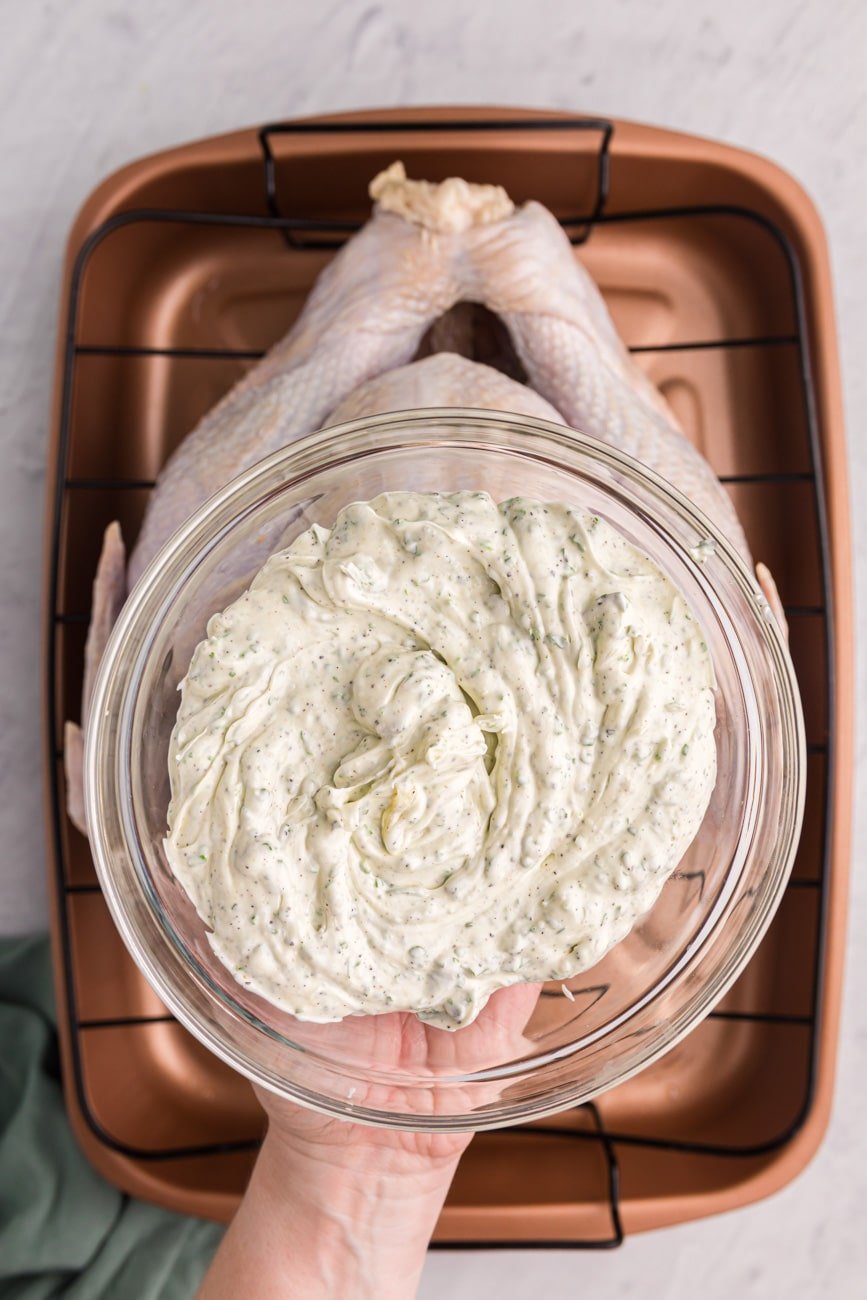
(351,353)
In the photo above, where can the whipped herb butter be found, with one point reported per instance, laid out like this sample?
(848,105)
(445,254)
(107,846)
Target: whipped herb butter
(443,747)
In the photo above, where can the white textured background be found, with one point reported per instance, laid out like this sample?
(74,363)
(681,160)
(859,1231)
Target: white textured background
(86,86)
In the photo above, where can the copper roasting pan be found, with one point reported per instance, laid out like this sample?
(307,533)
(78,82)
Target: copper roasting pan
(180,270)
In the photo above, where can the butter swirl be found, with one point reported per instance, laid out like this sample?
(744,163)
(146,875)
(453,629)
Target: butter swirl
(445,746)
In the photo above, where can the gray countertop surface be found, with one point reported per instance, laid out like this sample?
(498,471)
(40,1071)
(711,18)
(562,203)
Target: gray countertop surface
(87,87)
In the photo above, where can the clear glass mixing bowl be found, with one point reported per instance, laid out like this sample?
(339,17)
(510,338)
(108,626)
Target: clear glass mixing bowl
(652,988)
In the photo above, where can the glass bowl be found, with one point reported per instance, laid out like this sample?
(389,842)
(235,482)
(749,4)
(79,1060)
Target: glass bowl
(539,1054)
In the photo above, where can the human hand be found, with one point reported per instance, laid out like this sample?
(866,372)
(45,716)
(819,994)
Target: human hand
(338,1209)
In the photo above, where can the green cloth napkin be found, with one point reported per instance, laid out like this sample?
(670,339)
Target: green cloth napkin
(64,1231)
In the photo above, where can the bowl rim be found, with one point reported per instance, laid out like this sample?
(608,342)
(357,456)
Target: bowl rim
(168,559)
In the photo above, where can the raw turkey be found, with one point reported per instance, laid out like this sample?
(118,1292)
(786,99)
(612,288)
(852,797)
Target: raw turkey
(448,296)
